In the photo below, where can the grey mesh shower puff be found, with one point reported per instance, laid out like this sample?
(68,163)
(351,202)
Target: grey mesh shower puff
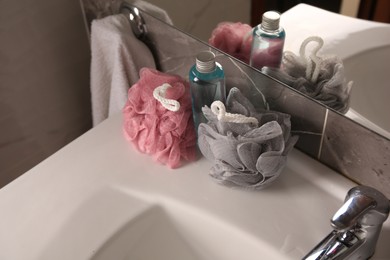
(243,154)
(319,77)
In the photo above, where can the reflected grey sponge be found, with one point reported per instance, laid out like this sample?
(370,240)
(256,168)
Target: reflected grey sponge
(243,154)
(319,77)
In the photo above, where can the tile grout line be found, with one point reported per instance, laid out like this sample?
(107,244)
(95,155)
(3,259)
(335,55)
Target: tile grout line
(323,134)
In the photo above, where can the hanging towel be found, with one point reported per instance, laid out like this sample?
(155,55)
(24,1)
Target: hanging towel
(117,57)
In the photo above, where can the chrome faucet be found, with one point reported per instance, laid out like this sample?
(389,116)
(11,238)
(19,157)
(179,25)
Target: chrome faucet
(356,226)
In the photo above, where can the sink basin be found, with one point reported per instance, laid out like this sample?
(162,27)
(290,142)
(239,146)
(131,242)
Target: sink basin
(114,224)
(166,233)
(99,198)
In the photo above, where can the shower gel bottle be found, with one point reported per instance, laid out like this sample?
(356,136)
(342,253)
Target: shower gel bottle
(207,81)
(268,42)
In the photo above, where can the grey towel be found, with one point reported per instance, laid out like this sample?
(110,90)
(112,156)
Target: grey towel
(245,155)
(117,57)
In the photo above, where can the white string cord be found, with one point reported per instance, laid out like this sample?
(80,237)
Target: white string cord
(218,108)
(312,73)
(159,94)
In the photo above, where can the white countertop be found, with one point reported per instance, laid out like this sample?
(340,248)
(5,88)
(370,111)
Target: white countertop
(43,213)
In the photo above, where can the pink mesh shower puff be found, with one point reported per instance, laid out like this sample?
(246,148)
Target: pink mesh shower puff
(234,39)
(168,136)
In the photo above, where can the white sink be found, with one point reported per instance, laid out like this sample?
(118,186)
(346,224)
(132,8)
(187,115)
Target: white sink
(98,198)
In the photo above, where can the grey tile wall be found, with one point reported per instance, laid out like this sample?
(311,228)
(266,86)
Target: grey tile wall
(356,152)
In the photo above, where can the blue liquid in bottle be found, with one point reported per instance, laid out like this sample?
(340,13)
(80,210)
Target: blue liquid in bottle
(268,42)
(207,80)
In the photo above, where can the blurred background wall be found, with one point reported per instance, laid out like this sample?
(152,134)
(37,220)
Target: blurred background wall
(44,81)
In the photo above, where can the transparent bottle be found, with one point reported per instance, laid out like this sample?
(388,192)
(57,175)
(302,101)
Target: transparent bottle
(207,81)
(268,42)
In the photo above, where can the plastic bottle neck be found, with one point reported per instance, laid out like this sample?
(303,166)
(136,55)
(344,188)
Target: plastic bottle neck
(270,21)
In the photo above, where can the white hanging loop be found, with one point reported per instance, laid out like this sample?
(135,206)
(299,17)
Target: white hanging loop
(218,108)
(159,94)
(312,73)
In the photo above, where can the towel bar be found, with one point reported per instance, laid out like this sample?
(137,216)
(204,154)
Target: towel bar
(136,20)
(138,26)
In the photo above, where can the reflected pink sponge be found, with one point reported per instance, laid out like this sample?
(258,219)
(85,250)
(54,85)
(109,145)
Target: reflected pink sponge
(233,38)
(168,136)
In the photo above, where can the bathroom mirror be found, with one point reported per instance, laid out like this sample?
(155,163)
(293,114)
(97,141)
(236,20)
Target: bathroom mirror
(363,47)
(324,134)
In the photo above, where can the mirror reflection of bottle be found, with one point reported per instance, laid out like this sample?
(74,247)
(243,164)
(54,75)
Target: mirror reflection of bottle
(268,42)
(207,81)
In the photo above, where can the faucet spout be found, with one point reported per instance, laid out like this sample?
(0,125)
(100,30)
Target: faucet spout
(357,225)
(353,209)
